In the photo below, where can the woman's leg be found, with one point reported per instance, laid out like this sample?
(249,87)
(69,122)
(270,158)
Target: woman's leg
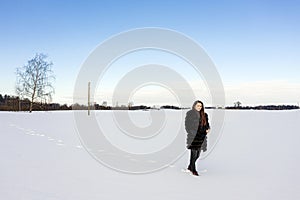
(197,154)
(193,158)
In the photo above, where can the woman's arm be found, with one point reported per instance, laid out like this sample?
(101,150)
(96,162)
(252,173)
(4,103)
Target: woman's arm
(207,123)
(191,124)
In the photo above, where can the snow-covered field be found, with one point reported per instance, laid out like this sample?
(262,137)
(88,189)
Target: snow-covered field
(257,157)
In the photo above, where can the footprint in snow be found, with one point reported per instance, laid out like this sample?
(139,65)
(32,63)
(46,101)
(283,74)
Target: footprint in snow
(50,139)
(20,128)
(60,143)
(151,161)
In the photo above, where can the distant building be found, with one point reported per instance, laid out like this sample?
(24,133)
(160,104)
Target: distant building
(104,103)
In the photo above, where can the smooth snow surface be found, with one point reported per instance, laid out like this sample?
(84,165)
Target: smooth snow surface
(257,157)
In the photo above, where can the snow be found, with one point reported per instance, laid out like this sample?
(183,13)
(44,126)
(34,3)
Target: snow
(257,157)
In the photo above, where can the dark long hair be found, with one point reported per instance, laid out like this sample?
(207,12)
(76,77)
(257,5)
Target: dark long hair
(203,121)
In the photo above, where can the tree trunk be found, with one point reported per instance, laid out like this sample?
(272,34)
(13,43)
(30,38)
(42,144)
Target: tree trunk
(33,93)
(31,102)
(30,108)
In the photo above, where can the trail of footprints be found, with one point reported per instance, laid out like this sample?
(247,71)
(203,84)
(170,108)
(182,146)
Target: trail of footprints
(31,132)
(58,142)
(61,143)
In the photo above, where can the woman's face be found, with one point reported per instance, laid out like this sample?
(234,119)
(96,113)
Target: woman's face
(198,107)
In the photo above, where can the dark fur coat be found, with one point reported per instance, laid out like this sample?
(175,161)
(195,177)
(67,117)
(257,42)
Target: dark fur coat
(196,134)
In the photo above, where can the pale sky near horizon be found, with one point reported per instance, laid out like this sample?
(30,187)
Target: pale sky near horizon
(255,45)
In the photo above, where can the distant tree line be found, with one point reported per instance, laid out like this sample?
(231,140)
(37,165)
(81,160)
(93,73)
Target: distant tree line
(170,107)
(14,103)
(238,106)
(263,107)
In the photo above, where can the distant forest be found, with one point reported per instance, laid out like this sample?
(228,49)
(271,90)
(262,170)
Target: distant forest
(14,103)
(264,107)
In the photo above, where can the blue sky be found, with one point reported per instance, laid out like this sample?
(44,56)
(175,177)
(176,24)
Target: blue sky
(254,44)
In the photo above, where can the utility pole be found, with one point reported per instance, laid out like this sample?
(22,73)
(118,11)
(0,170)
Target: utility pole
(89,98)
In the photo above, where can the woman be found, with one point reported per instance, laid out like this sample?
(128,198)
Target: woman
(197,127)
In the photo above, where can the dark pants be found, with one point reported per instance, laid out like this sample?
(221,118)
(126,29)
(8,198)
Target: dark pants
(194,156)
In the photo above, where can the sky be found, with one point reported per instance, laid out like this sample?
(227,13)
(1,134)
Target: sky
(255,45)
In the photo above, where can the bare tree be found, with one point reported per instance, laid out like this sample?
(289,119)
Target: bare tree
(34,80)
(237,104)
(104,103)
